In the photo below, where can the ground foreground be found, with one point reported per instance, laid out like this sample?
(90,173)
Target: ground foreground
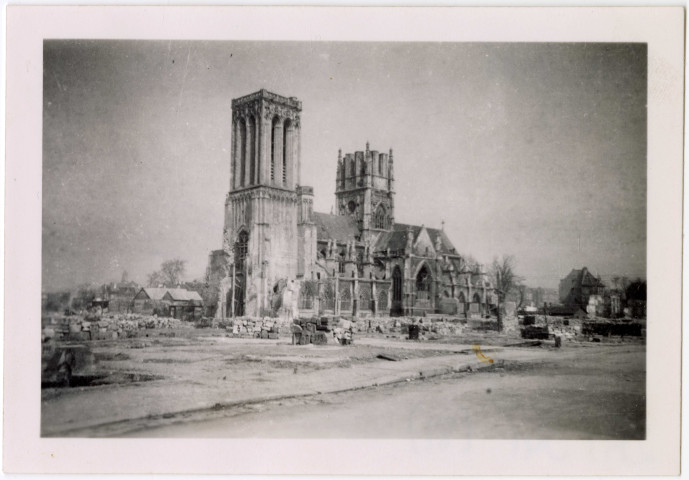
(205,384)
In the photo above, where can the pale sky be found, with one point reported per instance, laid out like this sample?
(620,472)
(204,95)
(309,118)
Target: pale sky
(534,150)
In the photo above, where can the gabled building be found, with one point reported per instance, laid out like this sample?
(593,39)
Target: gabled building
(149,300)
(183,304)
(577,287)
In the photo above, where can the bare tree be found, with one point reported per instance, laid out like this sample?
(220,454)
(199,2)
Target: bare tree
(170,273)
(173,271)
(504,279)
(155,279)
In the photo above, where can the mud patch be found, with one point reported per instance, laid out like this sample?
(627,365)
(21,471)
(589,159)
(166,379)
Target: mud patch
(100,379)
(111,357)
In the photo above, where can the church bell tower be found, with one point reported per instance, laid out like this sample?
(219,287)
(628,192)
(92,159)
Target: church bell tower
(263,206)
(365,190)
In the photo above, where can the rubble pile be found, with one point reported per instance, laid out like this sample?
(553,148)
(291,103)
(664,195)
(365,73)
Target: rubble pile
(253,327)
(109,327)
(568,332)
(510,324)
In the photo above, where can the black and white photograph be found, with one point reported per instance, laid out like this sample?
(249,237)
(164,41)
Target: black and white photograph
(344,240)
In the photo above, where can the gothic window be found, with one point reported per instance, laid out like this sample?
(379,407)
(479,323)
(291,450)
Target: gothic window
(351,207)
(423,280)
(380,165)
(352,165)
(380,219)
(252,153)
(240,250)
(397,285)
(285,153)
(272,148)
(242,134)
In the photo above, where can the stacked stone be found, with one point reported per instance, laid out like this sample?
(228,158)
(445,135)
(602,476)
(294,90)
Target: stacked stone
(110,327)
(568,332)
(255,327)
(447,328)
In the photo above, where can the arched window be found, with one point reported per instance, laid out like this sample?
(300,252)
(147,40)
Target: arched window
(380,165)
(380,219)
(252,151)
(242,134)
(423,280)
(274,126)
(351,207)
(396,285)
(241,248)
(286,130)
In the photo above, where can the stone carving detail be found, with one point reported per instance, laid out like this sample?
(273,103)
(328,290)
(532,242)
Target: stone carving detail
(283,113)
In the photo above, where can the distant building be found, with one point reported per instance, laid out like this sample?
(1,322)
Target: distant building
(577,287)
(120,295)
(149,300)
(183,304)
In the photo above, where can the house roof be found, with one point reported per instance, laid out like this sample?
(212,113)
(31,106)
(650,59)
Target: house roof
(337,227)
(154,293)
(182,294)
(585,278)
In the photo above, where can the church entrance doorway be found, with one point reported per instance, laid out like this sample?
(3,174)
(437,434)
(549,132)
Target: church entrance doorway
(396,309)
(479,305)
(423,289)
(239,288)
(241,248)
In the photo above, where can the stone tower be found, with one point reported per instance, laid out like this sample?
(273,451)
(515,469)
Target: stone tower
(266,211)
(365,189)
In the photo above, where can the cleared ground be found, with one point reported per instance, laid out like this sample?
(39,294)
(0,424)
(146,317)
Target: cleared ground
(202,383)
(598,394)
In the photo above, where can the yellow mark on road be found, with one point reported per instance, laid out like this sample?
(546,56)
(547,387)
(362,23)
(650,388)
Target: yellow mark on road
(480,355)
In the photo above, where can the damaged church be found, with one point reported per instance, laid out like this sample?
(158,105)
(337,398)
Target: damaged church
(356,261)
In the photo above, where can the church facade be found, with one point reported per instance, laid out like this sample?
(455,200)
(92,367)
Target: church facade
(356,261)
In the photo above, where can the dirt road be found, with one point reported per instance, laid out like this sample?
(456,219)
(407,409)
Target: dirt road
(582,393)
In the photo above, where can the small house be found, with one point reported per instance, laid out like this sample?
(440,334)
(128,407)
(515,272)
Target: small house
(150,301)
(183,304)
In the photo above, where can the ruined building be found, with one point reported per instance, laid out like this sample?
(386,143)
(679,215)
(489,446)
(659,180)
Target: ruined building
(358,261)
(578,286)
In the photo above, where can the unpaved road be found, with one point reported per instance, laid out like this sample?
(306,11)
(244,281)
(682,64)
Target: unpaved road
(586,393)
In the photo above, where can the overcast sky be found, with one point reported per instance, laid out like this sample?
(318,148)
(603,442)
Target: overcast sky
(535,150)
